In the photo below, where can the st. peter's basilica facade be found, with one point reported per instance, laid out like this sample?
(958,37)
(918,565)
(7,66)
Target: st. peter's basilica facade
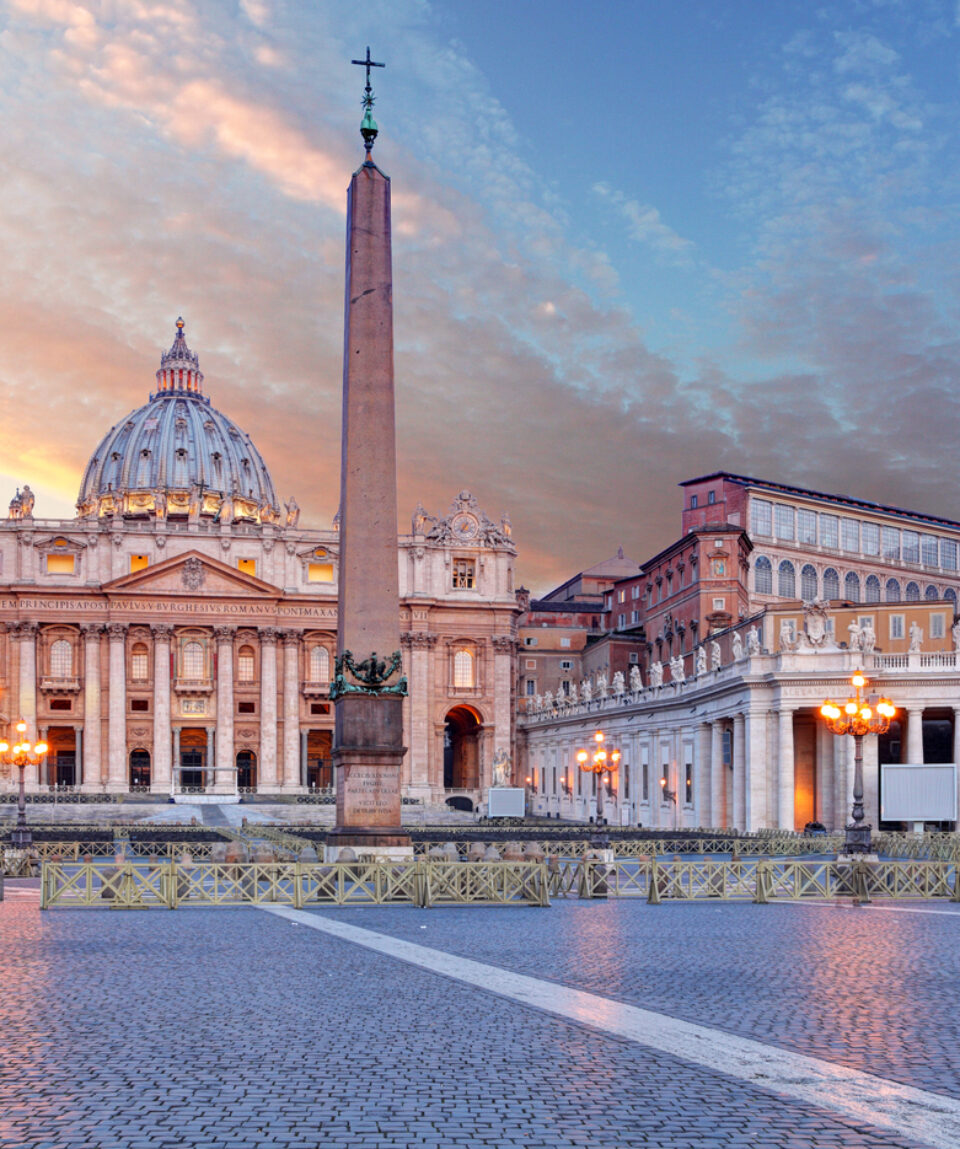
(179,634)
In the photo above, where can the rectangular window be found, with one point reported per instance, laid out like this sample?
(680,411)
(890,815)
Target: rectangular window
(911,547)
(565,687)
(530,664)
(948,554)
(621,596)
(664,781)
(784,520)
(645,776)
(531,687)
(61,703)
(633,658)
(937,626)
(634,617)
(140,705)
(530,640)
(896,626)
(566,664)
(621,620)
(61,564)
(319,572)
(564,642)
(728,748)
(829,531)
(249,566)
(719,604)
(711,497)
(464,574)
(930,550)
(807,527)
(890,543)
(319,707)
(688,784)
(761,517)
(635,590)
(246,708)
(693,502)
(870,538)
(851,535)
(138,563)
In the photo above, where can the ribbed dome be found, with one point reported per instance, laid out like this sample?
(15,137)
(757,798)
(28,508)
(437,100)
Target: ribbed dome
(179,456)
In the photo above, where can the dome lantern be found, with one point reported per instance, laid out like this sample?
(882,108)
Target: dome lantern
(180,368)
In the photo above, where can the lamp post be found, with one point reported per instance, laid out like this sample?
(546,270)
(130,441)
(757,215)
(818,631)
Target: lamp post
(22,754)
(599,763)
(859,715)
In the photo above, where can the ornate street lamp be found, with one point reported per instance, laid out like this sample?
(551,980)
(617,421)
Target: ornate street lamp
(858,716)
(22,754)
(599,763)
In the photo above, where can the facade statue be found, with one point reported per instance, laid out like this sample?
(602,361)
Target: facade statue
(701,661)
(618,684)
(574,697)
(26,502)
(753,640)
(677,673)
(293,512)
(955,631)
(538,702)
(548,700)
(636,682)
(854,635)
(916,637)
(656,674)
(602,684)
(506,527)
(716,655)
(787,640)
(586,690)
(868,638)
(501,768)
(737,644)
(420,519)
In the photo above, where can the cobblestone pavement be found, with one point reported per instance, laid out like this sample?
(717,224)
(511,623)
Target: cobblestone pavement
(210,1029)
(873,989)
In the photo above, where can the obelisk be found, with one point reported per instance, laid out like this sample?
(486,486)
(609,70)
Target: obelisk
(369,684)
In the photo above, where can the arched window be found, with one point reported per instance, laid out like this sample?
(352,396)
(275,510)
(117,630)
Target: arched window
(893,590)
(786,580)
(912,593)
(931,594)
(951,596)
(463,668)
(851,587)
(808,583)
(61,659)
(139,662)
(245,664)
(143,469)
(763,576)
(139,768)
(831,584)
(192,666)
(319,664)
(872,589)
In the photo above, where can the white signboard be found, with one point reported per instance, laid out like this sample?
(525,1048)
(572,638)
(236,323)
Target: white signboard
(506,802)
(919,793)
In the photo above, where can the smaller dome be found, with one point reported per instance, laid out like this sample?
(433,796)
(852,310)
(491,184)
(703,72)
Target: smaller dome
(178,456)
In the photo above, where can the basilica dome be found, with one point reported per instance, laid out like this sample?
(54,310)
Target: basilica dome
(178,457)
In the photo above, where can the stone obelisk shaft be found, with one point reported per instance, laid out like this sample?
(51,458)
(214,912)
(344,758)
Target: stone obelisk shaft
(368,734)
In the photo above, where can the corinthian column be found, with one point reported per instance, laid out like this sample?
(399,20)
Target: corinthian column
(224,779)
(91,780)
(117,712)
(291,709)
(27,633)
(419,648)
(267,769)
(162,750)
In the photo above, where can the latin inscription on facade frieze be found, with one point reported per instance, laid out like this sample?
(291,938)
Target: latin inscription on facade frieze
(177,607)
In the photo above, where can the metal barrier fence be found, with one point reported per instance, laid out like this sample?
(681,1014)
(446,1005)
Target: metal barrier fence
(168,884)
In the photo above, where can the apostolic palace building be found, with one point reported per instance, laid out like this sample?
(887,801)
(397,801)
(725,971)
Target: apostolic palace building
(179,634)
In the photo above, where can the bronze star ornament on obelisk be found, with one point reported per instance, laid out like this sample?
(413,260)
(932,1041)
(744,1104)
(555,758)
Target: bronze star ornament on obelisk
(368,686)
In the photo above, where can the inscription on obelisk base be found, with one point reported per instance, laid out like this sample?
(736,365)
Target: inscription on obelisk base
(369,685)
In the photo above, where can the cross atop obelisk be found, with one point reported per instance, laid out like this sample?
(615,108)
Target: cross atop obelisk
(368,127)
(369,685)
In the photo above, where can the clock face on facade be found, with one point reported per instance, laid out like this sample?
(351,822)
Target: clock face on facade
(465,526)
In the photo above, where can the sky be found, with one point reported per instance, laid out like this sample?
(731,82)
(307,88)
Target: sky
(633,243)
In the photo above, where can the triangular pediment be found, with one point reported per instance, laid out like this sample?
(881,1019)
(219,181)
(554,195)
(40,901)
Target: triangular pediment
(193,573)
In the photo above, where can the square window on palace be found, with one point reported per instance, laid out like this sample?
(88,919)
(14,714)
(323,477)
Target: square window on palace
(61,564)
(138,563)
(896,626)
(530,664)
(319,708)
(246,708)
(829,531)
(61,703)
(530,640)
(140,705)
(319,572)
(761,517)
(719,604)
(531,687)
(464,574)
(566,664)
(249,566)
(564,642)
(938,627)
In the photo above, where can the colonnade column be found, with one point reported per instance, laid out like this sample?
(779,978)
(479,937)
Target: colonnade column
(418,649)
(267,768)
(161,771)
(224,781)
(704,767)
(718,779)
(756,771)
(291,709)
(786,805)
(27,633)
(90,779)
(117,711)
(871,782)
(739,775)
(504,648)
(915,735)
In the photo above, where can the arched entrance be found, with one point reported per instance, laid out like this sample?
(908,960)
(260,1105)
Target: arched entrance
(246,770)
(139,768)
(193,758)
(461,749)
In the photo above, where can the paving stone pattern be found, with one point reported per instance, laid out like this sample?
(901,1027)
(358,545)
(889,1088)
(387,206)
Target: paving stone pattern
(867,988)
(217,1029)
